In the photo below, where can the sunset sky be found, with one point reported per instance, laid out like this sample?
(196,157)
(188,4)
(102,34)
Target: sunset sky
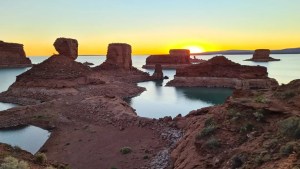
(151,26)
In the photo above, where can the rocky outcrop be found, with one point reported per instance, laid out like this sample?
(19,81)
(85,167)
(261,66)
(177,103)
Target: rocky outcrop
(221,72)
(118,57)
(262,55)
(253,129)
(176,58)
(158,73)
(67,47)
(60,76)
(13,55)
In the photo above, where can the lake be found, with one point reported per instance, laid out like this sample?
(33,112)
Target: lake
(159,101)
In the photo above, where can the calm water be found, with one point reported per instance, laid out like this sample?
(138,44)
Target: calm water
(160,101)
(28,138)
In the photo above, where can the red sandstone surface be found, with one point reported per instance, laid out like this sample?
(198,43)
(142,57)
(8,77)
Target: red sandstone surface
(253,129)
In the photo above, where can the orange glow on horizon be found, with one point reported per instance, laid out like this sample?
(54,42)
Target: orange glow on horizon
(195,49)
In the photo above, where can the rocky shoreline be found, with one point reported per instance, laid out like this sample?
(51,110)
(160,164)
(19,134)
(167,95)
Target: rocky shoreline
(84,109)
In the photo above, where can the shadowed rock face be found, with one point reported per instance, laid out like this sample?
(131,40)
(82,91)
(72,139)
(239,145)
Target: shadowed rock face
(67,47)
(13,54)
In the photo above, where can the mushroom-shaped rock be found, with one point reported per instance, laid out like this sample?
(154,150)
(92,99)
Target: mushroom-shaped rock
(67,47)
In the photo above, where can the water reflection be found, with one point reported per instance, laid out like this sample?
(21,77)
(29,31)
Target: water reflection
(29,138)
(159,101)
(209,95)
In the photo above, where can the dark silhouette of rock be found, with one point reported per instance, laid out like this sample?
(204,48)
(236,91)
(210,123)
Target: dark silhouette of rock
(158,73)
(13,55)
(88,64)
(67,47)
(176,58)
(262,55)
(118,57)
(221,72)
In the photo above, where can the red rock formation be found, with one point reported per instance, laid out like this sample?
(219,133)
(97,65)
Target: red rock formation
(67,47)
(55,72)
(176,58)
(220,66)
(118,57)
(262,55)
(13,55)
(221,72)
(158,73)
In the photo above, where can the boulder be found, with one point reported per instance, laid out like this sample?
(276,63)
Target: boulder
(262,55)
(13,55)
(67,47)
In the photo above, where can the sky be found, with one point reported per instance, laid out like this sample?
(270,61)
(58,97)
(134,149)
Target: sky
(151,26)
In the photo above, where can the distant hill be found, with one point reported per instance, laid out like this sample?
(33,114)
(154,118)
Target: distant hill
(250,52)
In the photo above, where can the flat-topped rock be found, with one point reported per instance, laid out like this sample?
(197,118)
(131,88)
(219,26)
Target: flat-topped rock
(118,57)
(221,72)
(176,58)
(67,47)
(13,55)
(262,55)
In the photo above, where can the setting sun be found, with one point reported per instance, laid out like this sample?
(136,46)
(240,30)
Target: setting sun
(195,49)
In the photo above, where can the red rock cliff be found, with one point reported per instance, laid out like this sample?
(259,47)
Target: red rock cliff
(13,54)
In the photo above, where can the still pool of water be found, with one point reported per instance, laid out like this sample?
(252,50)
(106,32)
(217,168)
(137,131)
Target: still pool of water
(5,106)
(29,138)
(159,101)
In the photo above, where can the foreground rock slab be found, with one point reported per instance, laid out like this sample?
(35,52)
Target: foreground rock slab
(253,129)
